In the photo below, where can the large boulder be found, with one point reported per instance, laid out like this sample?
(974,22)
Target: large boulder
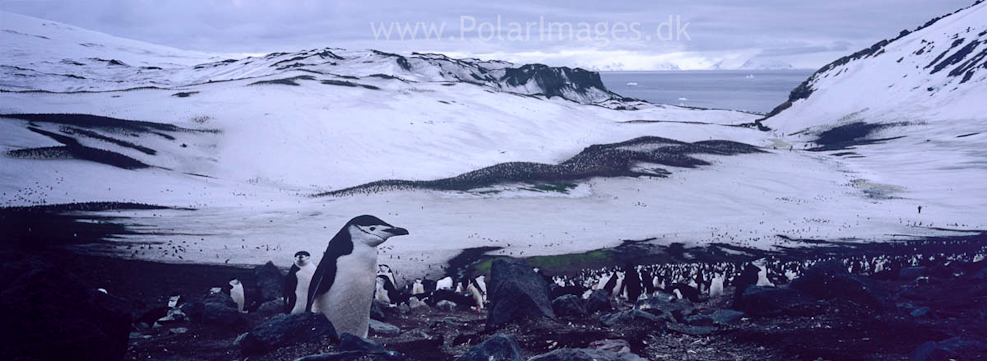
(269,281)
(384,329)
(830,279)
(214,309)
(598,301)
(568,306)
(286,330)
(674,310)
(516,291)
(50,314)
(631,315)
(501,347)
(585,354)
(726,317)
(769,301)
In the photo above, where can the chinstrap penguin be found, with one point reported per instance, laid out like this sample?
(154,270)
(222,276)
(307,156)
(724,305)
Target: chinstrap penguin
(343,285)
(296,283)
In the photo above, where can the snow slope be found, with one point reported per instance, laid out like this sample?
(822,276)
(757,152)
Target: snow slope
(248,142)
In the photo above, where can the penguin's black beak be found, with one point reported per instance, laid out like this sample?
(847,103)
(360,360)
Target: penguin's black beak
(397,231)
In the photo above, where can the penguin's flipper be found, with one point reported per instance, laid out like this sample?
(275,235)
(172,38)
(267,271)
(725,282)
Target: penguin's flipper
(322,280)
(288,290)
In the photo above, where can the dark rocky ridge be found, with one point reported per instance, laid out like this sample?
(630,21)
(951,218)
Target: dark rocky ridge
(606,160)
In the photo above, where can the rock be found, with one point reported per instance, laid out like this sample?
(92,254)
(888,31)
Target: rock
(349,343)
(921,312)
(49,314)
(674,310)
(568,306)
(699,320)
(174,317)
(284,330)
(414,303)
(446,305)
(766,301)
(384,329)
(627,316)
(221,314)
(598,301)
(271,307)
(269,281)
(692,330)
(402,308)
(911,273)
(618,346)
(726,317)
(500,347)
(951,349)
(377,311)
(516,291)
(830,279)
(178,330)
(980,275)
(214,309)
(585,354)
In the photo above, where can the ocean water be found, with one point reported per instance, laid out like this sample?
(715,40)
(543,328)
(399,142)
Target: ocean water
(749,90)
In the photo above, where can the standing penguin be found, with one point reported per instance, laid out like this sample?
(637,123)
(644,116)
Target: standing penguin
(344,283)
(237,294)
(632,283)
(296,283)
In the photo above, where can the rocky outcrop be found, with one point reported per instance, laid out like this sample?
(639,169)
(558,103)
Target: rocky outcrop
(830,279)
(771,301)
(568,306)
(269,281)
(284,330)
(516,291)
(214,309)
(501,347)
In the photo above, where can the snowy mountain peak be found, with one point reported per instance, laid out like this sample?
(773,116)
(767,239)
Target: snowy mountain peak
(936,72)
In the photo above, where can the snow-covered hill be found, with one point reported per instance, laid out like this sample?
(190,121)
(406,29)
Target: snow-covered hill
(937,72)
(567,166)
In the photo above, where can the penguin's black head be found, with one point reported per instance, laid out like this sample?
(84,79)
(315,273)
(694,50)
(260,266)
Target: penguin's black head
(372,231)
(301,258)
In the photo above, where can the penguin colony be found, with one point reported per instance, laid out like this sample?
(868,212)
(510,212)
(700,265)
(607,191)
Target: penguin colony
(348,278)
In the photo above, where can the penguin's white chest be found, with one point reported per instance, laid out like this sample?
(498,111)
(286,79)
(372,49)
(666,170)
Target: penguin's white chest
(347,303)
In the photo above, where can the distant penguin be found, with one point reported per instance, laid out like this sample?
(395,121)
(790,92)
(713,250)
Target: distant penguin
(762,276)
(716,286)
(237,294)
(479,297)
(444,284)
(343,285)
(481,283)
(610,284)
(381,293)
(296,283)
(418,288)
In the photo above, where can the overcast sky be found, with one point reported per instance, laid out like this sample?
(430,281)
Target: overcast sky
(638,35)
